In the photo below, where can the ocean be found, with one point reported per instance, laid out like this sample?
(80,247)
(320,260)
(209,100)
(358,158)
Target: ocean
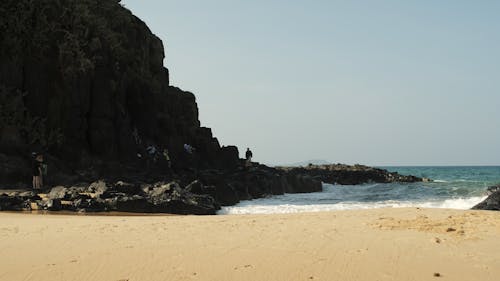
(453,187)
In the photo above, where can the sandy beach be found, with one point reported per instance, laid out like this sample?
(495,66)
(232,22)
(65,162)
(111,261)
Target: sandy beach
(380,244)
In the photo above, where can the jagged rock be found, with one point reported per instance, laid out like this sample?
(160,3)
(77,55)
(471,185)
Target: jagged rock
(69,193)
(163,192)
(492,202)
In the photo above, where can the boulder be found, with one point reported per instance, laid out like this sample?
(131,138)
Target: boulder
(12,203)
(492,202)
(52,204)
(135,204)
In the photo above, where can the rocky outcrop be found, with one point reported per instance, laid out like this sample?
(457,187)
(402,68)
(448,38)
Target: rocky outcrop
(200,197)
(492,202)
(349,175)
(100,196)
(84,81)
(255,182)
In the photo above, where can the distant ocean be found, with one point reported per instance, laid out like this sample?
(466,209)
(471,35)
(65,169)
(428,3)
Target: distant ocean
(453,187)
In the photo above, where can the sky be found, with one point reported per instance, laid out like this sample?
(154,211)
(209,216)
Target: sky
(370,82)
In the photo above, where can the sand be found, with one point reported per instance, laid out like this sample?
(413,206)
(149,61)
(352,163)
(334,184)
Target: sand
(381,244)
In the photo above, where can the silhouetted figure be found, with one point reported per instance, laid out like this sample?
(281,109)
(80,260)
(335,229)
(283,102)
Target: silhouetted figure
(248,156)
(38,170)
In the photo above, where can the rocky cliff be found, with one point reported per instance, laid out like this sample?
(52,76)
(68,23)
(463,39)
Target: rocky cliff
(84,81)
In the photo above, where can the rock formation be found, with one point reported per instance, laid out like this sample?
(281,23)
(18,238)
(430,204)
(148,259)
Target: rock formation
(350,175)
(492,202)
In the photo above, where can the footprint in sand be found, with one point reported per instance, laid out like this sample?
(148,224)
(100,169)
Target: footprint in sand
(241,267)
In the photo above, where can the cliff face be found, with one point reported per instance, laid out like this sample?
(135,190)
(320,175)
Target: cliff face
(84,80)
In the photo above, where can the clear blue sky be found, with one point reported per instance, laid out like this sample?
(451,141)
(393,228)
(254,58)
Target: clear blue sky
(371,82)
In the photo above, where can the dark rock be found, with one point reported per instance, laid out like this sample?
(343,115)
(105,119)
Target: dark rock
(171,198)
(279,185)
(226,195)
(492,189)
(53,205)
(14,170)
(195,187)
(492,202)
(69,193)
(349,175)
(302,184)
(136,204)
(242,190)
(193,204)
(90,205)
(12,203)
(229,157)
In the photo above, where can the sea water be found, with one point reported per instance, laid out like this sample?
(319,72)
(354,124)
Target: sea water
(453,187)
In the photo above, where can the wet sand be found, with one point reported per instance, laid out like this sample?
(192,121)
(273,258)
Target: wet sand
(380,244)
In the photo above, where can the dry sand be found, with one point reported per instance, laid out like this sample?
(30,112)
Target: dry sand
(383,244)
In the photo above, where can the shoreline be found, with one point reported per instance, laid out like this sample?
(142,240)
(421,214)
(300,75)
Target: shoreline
(376,244)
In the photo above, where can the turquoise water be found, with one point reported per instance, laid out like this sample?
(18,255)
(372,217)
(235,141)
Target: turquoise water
(453,187)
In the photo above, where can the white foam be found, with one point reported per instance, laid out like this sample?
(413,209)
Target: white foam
(273,206)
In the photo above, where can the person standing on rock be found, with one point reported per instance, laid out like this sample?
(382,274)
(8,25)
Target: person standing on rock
(248,156)
(37,171)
